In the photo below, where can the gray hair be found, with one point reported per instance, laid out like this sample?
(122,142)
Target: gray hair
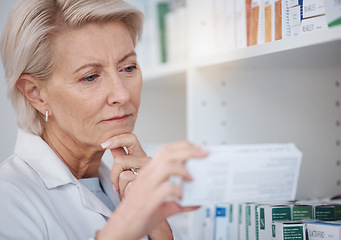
(27,41)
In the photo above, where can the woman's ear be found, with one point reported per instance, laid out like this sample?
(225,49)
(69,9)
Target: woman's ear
(31,89)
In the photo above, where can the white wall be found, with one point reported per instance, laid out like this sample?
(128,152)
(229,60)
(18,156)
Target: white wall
(8,123)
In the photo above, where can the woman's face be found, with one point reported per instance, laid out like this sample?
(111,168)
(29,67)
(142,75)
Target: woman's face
(95,89)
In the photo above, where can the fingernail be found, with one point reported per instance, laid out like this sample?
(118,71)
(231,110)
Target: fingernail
(106,144)
(114,188)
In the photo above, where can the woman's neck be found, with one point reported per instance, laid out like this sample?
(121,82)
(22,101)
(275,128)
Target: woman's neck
(82,161)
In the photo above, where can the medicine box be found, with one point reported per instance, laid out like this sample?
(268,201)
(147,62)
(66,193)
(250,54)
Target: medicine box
(270,213)
(313,24)
(295,15)
(313,8)
(221,222)
(323,230)
(293,3)
(288,230)
(302,212)
(328,212)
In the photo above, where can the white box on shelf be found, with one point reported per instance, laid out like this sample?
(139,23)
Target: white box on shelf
(313,24)
(293,3)
(242,221)
(313,8)
(208,225)
(240,24)
(221,222)
(324,230)
(286,31)
(201,28)
(234,221)
(295,15)
(224,25)
(252,221)
(288,230)
(296,30)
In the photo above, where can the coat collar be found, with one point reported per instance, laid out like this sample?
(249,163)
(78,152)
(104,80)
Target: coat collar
(43,160)
(54,173)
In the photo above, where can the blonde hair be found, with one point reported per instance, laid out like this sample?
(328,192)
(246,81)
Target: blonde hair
(27,41)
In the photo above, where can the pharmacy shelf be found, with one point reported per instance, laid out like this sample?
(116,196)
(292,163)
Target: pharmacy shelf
(308,39)
(162,71)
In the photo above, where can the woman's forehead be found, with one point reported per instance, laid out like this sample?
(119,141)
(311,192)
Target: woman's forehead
(94,42)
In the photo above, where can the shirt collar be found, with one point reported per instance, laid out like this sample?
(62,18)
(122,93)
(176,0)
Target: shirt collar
(42,159)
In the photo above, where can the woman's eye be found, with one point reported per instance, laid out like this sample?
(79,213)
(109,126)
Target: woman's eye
(130,69)
(90,78)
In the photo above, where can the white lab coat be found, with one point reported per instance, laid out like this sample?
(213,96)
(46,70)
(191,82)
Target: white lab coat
(41,199)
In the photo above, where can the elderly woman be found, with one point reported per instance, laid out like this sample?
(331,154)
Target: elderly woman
(74,80)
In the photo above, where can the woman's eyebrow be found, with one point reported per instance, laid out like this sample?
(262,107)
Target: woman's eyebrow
(97,65)
(94,65)
(133,53)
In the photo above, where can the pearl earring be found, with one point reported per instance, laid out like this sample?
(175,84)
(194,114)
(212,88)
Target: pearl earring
(47,115)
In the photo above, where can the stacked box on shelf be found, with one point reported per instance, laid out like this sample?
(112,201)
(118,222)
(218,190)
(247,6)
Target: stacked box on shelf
(324,230)
(162,9)
(313,8)
(221,222)
(270,213)
(224,25)
(208,222)
(302,212)
(328,212)
(234,221)
(269,20)
(314,17)
(242,28)
(252,221)
(288,231)
(295,16)
(164,32)
(282,27)
(256,35)
(176,33)
(256,221)
(242,221)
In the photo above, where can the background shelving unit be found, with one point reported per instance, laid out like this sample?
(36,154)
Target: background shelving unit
(284,91)
(310,39)
(290,94)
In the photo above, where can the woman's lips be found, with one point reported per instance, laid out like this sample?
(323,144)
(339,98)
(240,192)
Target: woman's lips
(117,119)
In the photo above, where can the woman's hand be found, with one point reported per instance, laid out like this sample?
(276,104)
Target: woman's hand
(135,157)
(150,199)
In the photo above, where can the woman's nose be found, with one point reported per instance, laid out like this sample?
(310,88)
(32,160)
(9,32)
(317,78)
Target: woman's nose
(117,91)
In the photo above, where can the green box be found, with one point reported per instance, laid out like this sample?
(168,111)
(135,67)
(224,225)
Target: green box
(270,213)
(328,212)
(302,212)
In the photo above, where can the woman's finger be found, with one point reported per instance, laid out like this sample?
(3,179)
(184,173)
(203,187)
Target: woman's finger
(124,163)
(116,152)
(126,140)
(125,179)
